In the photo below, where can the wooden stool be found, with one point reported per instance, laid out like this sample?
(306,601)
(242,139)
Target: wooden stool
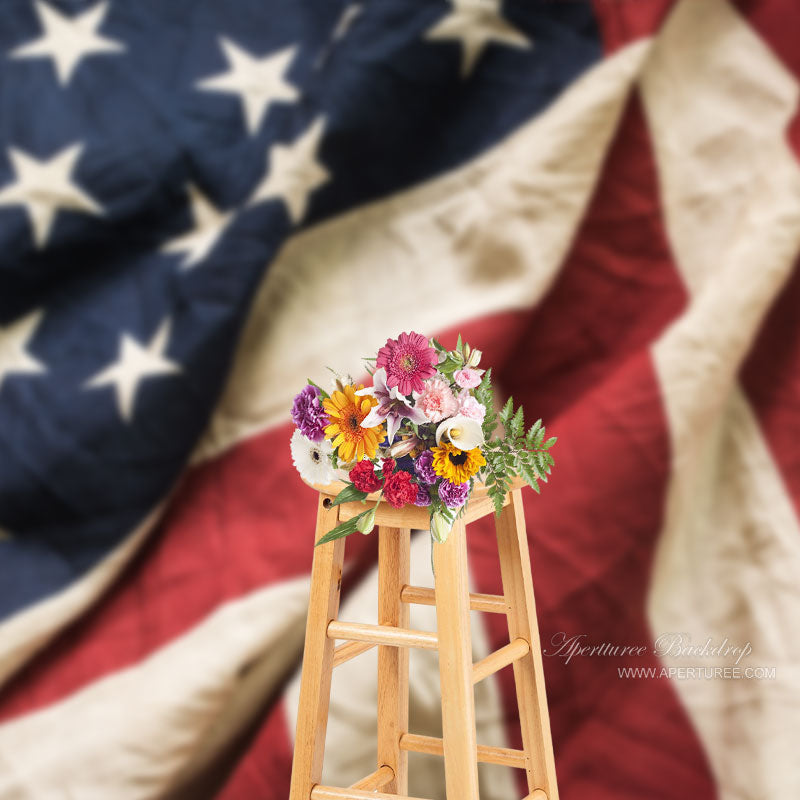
(458,674)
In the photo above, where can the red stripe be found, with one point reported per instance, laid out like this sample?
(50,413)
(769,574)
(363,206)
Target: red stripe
(771,379)
(624,21)
(778,24)
(266,776)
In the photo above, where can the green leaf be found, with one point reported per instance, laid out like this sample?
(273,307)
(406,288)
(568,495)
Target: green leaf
(508,410)
(348,495)
(518,424)
(344,529)
(459,345)
(550,442)
(322,392)
(541,466)
(526,473)
(484,394)
(498,496)
(449,365)
(534,430)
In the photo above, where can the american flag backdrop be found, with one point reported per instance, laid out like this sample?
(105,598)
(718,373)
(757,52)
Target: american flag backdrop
(203,202)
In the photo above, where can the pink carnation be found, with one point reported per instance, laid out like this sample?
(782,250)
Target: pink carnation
(437,400)
(469,407)
(468,378)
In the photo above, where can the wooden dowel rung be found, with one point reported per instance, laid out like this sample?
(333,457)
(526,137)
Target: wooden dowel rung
(331,793)
(415,743)
(491,603)
(344,652)
(537,794)
(378,780)
(382,634)
(512,652)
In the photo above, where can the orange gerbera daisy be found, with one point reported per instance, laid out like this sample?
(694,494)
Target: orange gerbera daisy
(347,411)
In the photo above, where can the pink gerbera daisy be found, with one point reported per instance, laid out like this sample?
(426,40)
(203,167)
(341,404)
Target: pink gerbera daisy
(408,361)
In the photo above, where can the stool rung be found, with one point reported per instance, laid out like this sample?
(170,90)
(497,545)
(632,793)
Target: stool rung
(382,634)
(536,794)
(414,743)
(332,793)
(491,603)
(377,780)
(512,652)
(344,652)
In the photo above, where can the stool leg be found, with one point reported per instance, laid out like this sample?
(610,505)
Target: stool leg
(394,554)
(315,682)
(455,666)
(534,717)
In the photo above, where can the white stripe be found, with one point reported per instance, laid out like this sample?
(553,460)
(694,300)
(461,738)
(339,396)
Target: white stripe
(486,237)
(131,735)
(727,562)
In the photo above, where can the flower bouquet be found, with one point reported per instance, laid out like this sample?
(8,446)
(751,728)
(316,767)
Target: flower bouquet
(423,433)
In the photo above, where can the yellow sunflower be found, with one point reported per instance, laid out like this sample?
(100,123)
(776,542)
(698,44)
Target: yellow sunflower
(346,412)
(457,466)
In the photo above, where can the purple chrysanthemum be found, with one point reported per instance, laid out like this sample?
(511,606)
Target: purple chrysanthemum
(423,497)
(423,466)
(309,415)
(454,495)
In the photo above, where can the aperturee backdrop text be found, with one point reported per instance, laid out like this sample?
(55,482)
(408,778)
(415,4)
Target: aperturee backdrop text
(421,434)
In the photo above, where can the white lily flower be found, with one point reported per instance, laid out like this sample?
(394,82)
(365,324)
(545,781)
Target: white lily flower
(392,406)
(463,432)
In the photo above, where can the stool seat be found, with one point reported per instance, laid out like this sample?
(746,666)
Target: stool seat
(393,637)
(414,517)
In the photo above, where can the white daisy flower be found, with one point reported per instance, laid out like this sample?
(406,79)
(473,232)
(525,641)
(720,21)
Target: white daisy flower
(312,459)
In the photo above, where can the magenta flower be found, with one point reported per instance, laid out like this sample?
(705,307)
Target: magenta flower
(408,361)
(392,408)
(468,378)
